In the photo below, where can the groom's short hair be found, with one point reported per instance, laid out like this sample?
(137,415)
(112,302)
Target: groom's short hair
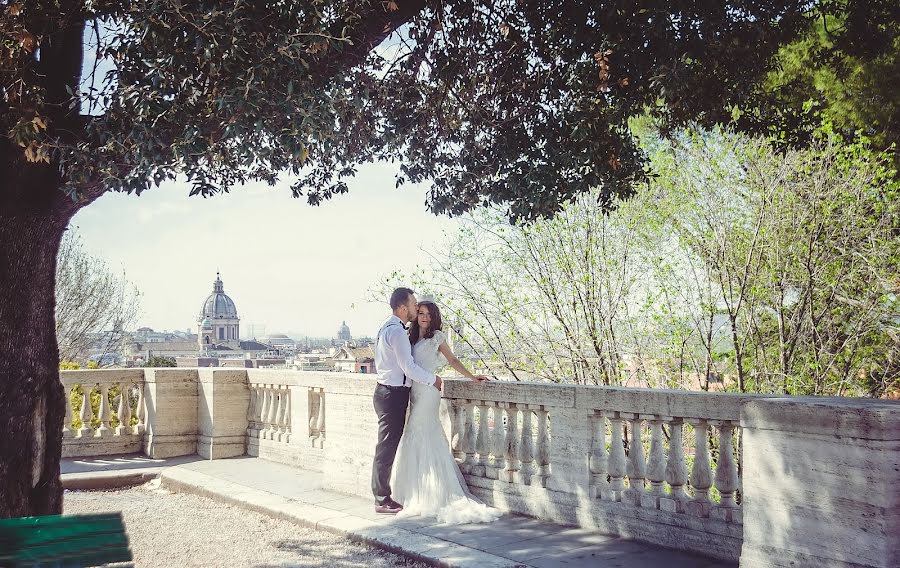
(399,297)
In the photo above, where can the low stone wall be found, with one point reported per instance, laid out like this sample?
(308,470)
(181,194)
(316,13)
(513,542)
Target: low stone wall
(821,482)
(769,481)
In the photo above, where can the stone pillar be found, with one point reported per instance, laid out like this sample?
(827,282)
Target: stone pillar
(569,453)
(170,396)
(222,413)
(352,432)
(299,415)
(821,482)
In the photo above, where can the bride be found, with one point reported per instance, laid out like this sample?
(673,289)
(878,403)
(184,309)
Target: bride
(425,477)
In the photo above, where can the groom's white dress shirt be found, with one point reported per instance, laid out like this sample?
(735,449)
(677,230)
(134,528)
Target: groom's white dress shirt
(393,357)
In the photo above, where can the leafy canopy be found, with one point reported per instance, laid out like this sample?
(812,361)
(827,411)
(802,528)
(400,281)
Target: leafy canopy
(521,103)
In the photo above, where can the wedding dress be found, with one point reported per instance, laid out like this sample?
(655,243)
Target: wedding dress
(425,477)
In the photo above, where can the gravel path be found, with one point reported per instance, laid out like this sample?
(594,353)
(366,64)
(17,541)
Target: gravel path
(177,529)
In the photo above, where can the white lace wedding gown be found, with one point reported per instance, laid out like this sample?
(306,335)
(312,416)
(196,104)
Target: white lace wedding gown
(425,477)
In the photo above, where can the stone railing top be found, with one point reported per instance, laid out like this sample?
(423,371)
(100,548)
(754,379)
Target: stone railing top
(544,394)
(664,402)
(657,402)
(100,376)
(859,418)
(289,377)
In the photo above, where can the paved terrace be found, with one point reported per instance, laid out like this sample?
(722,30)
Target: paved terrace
(297,496)
(755,480)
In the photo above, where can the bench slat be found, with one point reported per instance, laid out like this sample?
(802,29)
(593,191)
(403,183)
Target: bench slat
(73,540)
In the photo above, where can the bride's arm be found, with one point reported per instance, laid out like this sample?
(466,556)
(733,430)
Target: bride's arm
(454,362)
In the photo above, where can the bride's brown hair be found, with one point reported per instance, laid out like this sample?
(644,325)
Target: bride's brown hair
(436,323)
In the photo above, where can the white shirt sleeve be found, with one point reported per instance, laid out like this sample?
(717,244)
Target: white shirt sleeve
(399,344)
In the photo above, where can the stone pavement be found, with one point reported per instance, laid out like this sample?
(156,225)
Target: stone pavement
(296,495)
(109,472)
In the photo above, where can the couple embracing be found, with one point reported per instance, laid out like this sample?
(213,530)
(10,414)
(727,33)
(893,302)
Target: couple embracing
(414,472)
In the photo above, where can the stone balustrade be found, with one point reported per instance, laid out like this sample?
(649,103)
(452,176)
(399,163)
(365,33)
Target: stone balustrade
(662,466)
(117,427)
(771,481)
(286,417)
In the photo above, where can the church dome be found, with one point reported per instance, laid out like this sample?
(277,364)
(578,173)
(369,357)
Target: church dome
(343,333)
(218,305)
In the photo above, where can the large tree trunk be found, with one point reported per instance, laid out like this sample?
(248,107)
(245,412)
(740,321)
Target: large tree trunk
(34,214)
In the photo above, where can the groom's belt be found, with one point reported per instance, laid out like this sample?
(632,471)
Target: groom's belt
(404,386)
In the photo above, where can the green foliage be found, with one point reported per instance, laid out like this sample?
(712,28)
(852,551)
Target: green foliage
(831,75)
(160,361)
(738,267)
(523,104)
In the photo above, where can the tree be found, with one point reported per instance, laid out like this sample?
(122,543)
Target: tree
(523,103)
(94,307)
(160,361)
(834,77)
(779,269)
(802,253)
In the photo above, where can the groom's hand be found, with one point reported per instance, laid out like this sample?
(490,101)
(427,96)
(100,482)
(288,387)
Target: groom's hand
(438,383)
(480,378)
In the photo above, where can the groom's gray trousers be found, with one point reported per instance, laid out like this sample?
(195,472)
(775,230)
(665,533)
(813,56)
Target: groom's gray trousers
(390,407)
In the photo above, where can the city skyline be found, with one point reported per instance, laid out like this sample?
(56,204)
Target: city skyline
(293,268)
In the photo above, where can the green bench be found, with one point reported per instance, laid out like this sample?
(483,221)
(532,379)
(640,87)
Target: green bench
(60,541)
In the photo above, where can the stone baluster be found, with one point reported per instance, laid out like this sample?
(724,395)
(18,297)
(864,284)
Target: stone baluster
(105,414)
(726,472)
(656,466)
(636,468)
(320,420)
(313,402)
(280,415)
(259,411)
(469,438)
(512,442)
(287,416)
(498,444)
(617,458)
(526,449)
(542,450)
(676,470)
(458,429)
(124,412)
(701,474)
(67,423)
(482,440)
(275,411)
(86,413)
(141,408)
(268,401)
(272,419)
(265,401)
(599,459)
(252,412)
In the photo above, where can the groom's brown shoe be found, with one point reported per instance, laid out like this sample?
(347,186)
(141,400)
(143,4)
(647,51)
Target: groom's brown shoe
(389,507)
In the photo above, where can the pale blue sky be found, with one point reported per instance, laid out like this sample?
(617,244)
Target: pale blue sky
(288,266)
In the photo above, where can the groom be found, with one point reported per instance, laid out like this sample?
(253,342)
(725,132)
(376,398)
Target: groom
(395,372)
